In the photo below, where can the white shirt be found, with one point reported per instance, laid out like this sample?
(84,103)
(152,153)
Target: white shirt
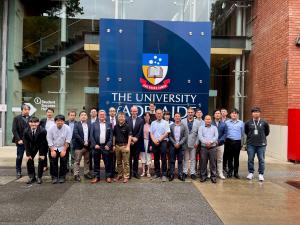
(177,133)
(133,122)
(58,137)
(49,123)
(113,121)
(102,133)
(85,132)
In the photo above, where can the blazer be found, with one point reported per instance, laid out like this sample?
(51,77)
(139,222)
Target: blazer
(95,135)
(137,131)
(43,123)
(193,135)
(183,135)
(222,131)
(78,135)
(18,127)
(35,144)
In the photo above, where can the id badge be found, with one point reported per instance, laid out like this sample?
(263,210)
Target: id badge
(255,132)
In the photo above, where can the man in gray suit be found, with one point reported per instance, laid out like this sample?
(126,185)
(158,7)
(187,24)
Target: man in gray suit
(178,138)
(192,126)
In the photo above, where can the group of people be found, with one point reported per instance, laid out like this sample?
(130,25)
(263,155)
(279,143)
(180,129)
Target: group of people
(208,148)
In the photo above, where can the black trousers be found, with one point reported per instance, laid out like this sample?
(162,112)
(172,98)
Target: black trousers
(205,155)
(107,159)
(176,153)
(54,165)
(160,152)
(233,155)
(134,156)
(30,166)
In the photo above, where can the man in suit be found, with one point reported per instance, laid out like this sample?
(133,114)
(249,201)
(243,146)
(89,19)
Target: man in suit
(35,142)
(70,151)
(101,142)
(112,120)
(81,145)
(20,122)
(93,118)
(46,123)
(136,126)
(192,125)
(178,138)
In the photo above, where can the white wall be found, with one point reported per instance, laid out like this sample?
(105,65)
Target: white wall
(277,142)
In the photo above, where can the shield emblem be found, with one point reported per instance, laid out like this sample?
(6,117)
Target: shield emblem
(155,67)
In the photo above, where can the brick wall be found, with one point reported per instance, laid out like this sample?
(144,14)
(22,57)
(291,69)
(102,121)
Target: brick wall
(265,81)
(294,56)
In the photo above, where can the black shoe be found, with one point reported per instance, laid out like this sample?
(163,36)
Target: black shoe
(213,180)
(193,177)
(19,175)
(237,176)
(184,175)
(39,180)
(181,178)
(87,176)
(54,180)
(77,178)
(137,176)
(202,180)
(171,177)
(229,175)
(31,180)
(62,180)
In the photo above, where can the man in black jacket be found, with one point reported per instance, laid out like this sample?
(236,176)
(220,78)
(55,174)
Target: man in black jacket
(20,122)
(136,126)
(35,141)
(81,145)
(101,143)
(257,131)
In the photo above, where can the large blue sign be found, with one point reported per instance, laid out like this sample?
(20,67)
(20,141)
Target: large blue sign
(145,61)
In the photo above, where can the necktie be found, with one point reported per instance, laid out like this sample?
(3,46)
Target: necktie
(33,133)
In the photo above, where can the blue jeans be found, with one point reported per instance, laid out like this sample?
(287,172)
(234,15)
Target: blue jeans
(260,151)
(20,153)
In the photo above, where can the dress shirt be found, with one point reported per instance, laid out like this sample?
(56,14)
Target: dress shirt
(159,128)
(49,123)
(235,129)
(58,137)
(102,133)
(177,132)
(85,132)
(208,134)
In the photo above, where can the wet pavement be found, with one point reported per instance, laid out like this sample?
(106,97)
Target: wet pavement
(146,201)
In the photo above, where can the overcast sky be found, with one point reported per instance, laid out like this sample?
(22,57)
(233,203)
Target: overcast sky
(145,9)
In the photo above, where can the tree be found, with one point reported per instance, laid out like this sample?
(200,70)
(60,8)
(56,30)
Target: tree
(73,8)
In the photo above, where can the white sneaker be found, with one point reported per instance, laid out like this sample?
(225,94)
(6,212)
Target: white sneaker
(250,176)
(222,176)
(261,177)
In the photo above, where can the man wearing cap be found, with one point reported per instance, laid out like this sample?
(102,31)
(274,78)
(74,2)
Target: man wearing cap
(257,131)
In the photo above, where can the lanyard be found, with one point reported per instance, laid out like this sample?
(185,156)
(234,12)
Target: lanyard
(256,125)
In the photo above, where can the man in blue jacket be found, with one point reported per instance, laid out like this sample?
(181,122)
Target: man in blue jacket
(81,145)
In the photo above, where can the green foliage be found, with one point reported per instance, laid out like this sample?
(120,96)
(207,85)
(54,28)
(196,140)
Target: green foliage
(73,8)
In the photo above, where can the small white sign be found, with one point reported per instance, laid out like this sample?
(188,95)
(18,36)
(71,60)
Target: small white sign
(3,107)
(16,109)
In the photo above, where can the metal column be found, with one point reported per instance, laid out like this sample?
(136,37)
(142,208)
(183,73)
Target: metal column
(63,66)
(237,69)
(3,64)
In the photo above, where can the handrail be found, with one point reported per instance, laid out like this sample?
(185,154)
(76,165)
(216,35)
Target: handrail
(49,35)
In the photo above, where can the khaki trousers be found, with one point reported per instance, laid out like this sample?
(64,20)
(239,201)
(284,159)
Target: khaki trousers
(86,157)
(122,157)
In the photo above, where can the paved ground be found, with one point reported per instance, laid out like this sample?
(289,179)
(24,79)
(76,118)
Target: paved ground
(151,202)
